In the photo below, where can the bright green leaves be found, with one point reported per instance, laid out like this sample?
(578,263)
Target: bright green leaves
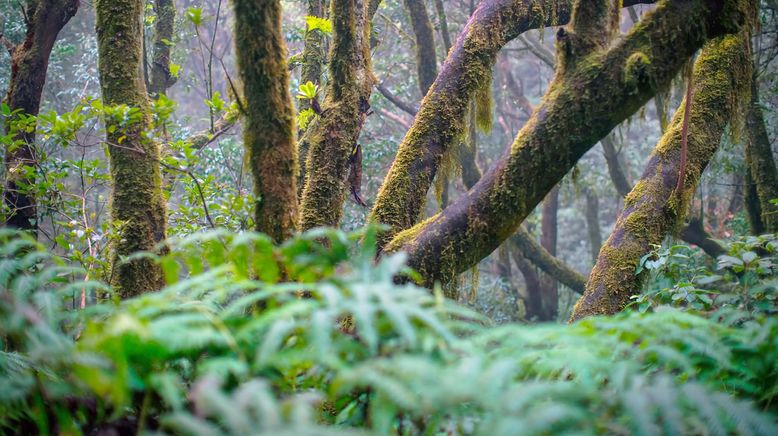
(194,15)
(307,91)
(323,25)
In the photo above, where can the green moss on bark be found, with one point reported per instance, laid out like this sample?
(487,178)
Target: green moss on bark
(268,130)
(653,208)
(581,106)
(137,204)
(331,140)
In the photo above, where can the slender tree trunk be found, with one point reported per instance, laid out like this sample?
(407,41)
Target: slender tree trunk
(620,181)
(593,222)
(137,204)
(753,206)
(535,253)
(443,23)
(533,299)
(597,86)
(654,207)
(268,130)
(29,64)
(426,64)
(548,240)
(760,160)
(313,60)
(161,78)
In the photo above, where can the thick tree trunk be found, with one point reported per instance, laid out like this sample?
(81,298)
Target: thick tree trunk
(654,208)
(137,204)
(761,163)
(426,64)
(591,94)
(161,78)
(332,139)
(268,129)
(29,64)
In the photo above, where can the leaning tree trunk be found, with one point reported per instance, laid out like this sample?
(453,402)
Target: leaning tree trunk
(598,85)
(441,119)
(29,63)
(761,164)
(137,203)
(655,206)
(268,130)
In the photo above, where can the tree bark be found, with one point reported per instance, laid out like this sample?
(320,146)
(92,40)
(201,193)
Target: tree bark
(533,300)
(548,239)
(137,204)
(619,179)
(538,255)
(313,59)
(332,139)
(654,207)
(761,163)
(426,64)
(591,94)
(441,119)
(443,22)
(29,64)
(268,130)
(593,222)
(161,78)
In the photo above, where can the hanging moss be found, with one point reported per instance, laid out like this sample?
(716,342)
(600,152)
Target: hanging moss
(137,203)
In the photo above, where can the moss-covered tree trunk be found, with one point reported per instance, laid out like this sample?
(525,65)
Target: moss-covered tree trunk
(137,204)
(654,207)
(161,79)
(268,129)
(761,164)
(440,122)
(310,71)
(29,64)
(598,85)
(332,139)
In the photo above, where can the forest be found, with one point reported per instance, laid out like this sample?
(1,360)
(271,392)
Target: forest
(406,217)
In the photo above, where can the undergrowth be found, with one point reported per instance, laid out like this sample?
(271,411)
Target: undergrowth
(315,337)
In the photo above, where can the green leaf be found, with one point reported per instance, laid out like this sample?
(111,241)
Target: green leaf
(316,23)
